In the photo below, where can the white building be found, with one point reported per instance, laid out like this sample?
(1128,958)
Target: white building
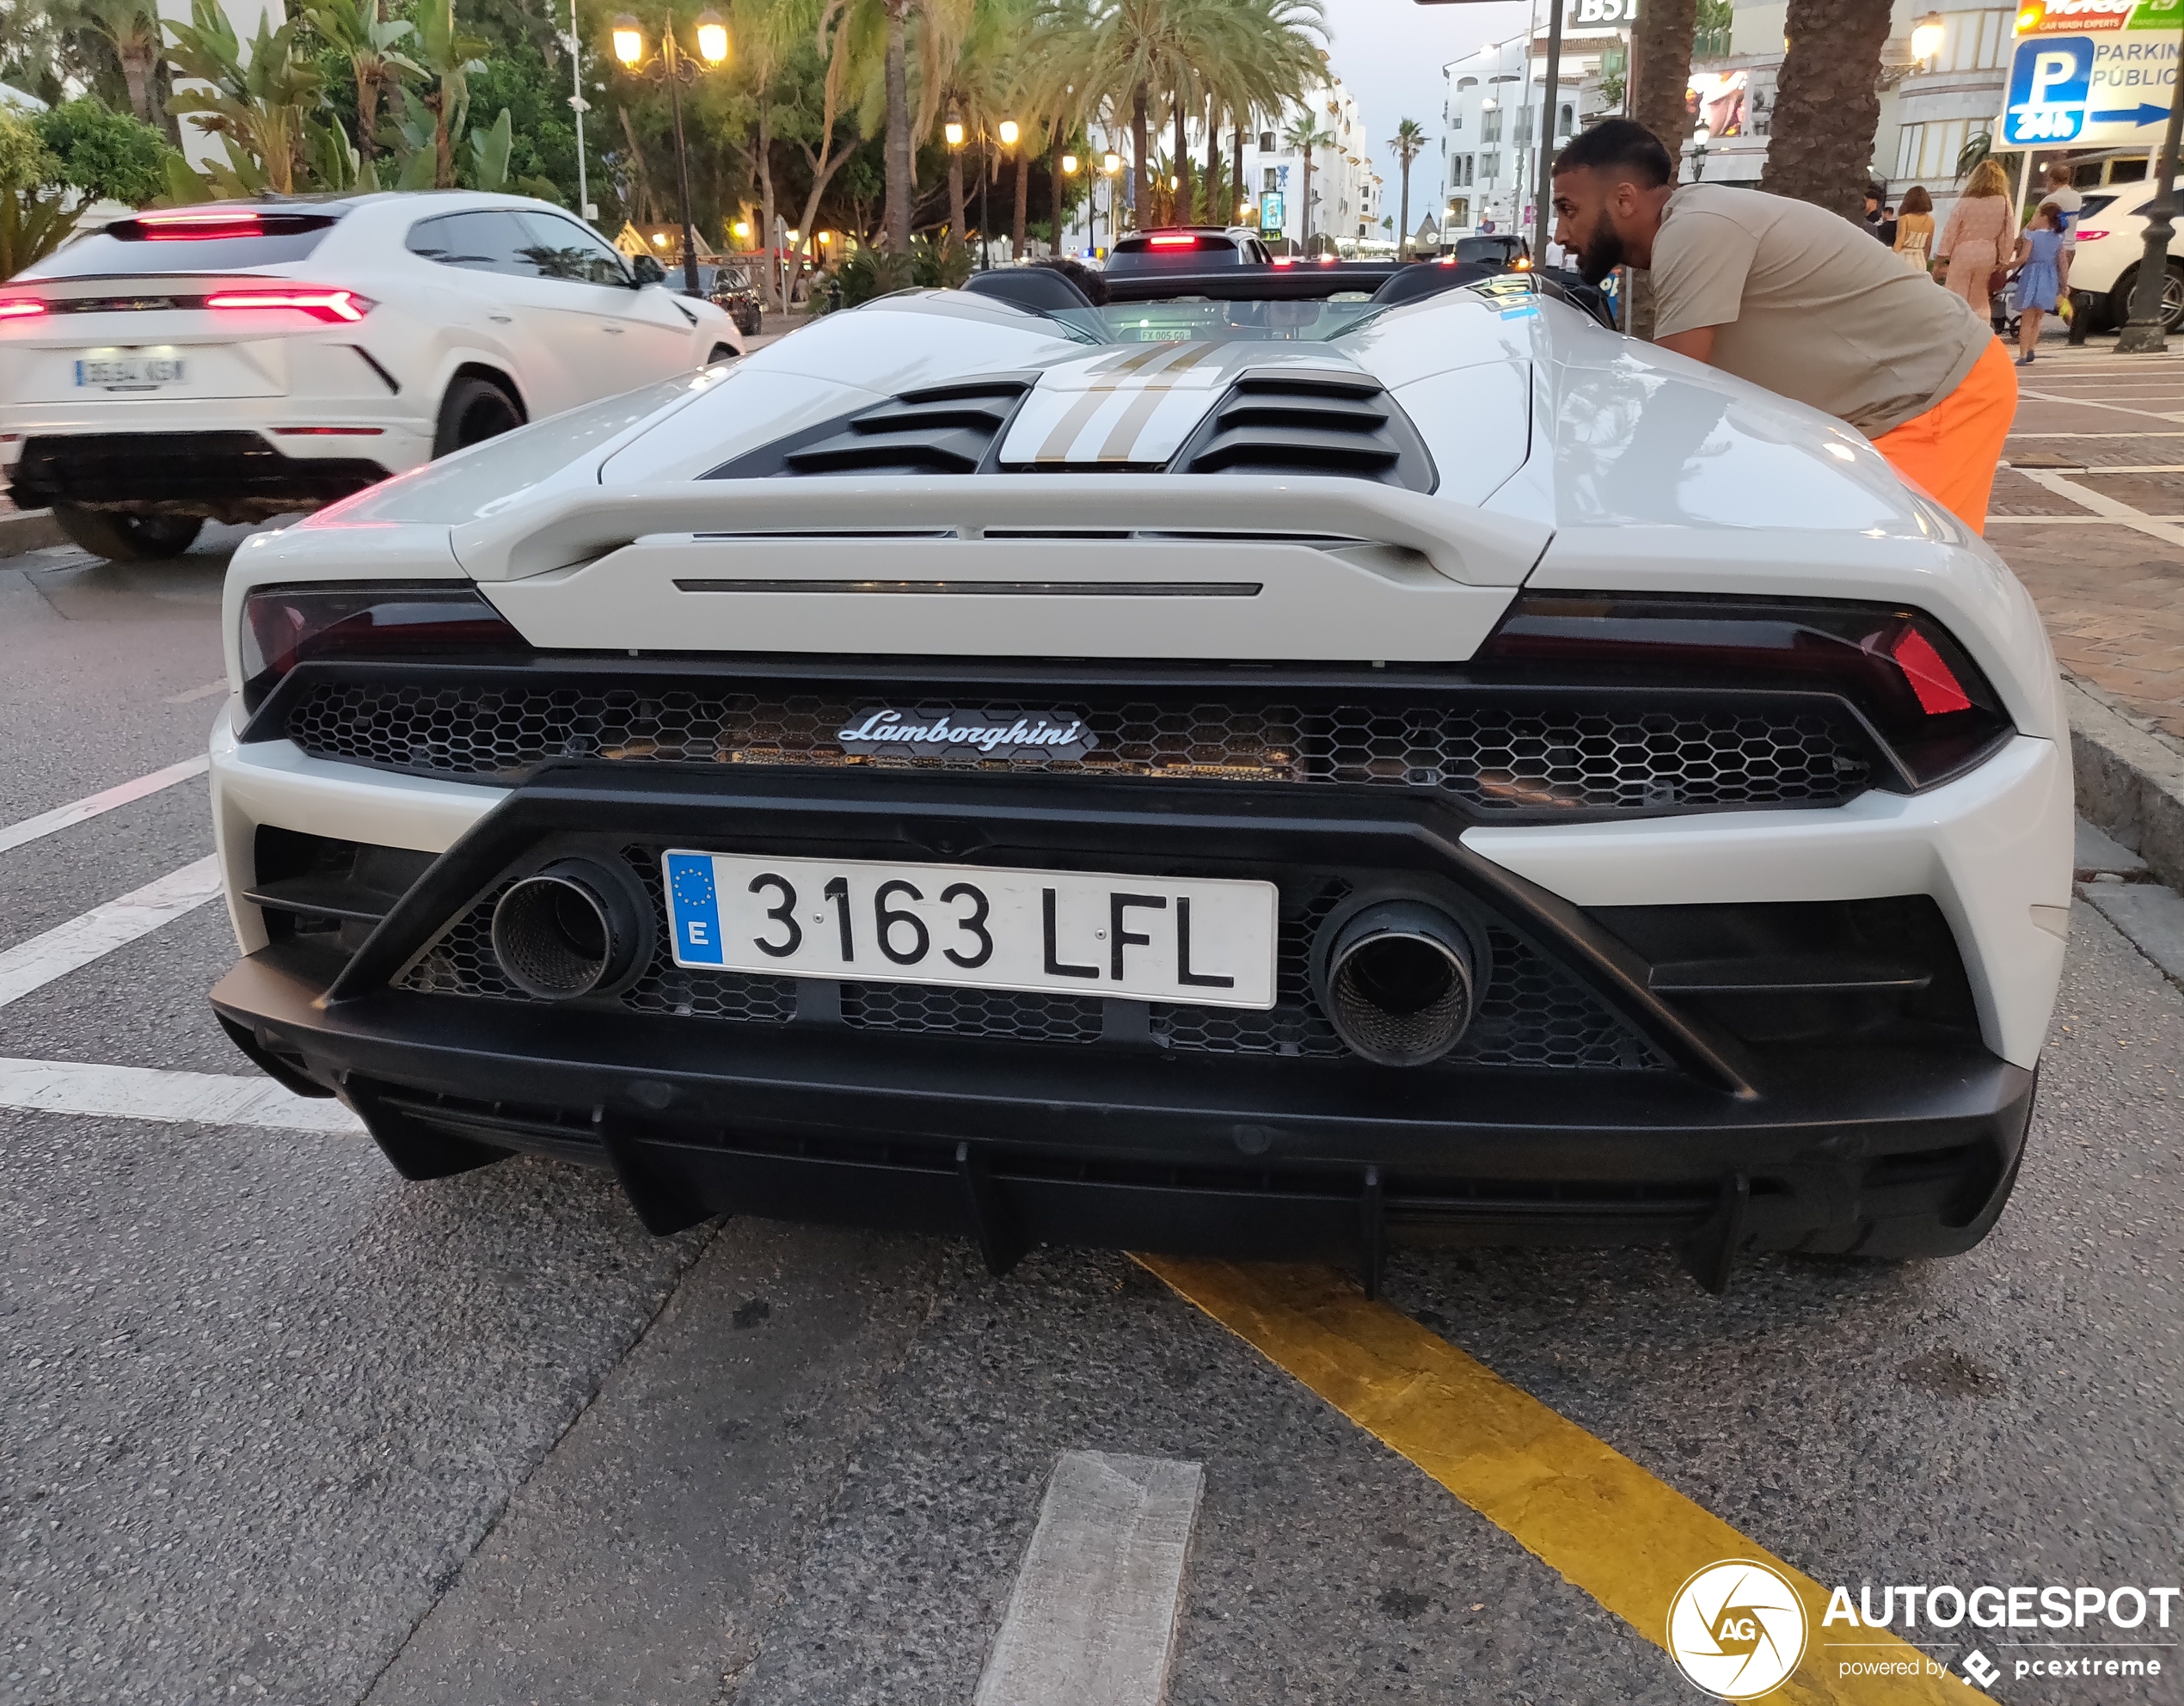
(1930,108)
(1493,113)
(1346,190)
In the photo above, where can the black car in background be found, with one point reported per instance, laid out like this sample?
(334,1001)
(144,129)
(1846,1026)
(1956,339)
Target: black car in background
(1505,252)
(733,289)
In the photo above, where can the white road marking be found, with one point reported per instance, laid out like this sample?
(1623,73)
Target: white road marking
(1091,1620)
(64,817)
(196,693)
(2102,505)
(140,1093)
(2121,432)
(2087,403)
(64,949)
(2070,520)
(2103,467)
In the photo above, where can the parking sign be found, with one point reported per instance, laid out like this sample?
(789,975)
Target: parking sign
(2050,83)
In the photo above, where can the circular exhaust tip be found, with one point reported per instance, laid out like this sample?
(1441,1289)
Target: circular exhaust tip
(573,929)
(1400,982)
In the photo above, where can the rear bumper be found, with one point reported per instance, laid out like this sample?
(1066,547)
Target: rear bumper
(1882,1145)
(1879,1153)
(238,475)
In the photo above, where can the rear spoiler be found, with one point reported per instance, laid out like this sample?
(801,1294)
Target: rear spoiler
(575,526)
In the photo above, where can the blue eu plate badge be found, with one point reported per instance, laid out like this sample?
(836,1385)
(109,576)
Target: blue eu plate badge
(693,910)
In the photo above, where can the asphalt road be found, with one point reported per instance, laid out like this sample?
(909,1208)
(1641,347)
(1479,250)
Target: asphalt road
(276,1426)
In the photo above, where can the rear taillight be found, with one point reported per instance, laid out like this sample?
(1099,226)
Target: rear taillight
(2089,236)
(1173,242)
(198,227)
(327,305)
(21,308)
(1899,668)
(285,626)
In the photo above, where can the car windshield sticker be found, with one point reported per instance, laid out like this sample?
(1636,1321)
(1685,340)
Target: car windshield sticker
(932,734)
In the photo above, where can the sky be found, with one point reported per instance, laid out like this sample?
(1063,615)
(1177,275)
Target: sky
(1390,53)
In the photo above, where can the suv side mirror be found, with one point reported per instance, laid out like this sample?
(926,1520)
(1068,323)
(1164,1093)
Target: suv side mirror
(647,270)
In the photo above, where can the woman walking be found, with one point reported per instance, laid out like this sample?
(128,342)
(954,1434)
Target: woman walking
(1978,235)
(2039,277)
(1915,228)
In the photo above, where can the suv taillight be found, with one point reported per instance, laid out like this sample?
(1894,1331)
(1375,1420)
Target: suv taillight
(1897,667)
(285,626)
(332,306)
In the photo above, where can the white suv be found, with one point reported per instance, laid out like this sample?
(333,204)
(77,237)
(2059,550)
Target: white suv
(236,361)
(2111,238)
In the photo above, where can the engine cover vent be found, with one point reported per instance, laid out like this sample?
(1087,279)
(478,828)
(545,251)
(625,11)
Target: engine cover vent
(1296,423)
(944,429)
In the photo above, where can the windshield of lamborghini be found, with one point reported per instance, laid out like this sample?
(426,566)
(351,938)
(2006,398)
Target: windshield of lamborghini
(1312,320)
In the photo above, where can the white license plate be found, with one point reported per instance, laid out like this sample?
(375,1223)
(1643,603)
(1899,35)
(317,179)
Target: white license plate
(1209,943)
(128,372)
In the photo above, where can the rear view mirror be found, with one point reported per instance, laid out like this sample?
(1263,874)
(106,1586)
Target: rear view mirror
(647,270)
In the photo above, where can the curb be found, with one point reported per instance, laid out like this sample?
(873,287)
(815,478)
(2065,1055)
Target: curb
(29,529)
(2129,780)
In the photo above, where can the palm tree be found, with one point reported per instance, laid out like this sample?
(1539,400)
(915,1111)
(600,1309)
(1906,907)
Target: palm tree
(355,31)
(1305,135)
(968,72)
(1829,103)
(848,38)
(132,27)
(1141,46)
(1408,143)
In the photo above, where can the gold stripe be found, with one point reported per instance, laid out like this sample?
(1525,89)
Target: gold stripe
(1057,447)
(1124,438)
(1579,1507)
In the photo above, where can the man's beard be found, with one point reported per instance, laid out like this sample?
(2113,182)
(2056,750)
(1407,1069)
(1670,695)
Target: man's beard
(1602,251)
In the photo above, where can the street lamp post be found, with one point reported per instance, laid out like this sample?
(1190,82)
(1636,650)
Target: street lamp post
(1068,170)
(1700,138)
(674,70)
(1111,164)
(1008,130)
(2145,334)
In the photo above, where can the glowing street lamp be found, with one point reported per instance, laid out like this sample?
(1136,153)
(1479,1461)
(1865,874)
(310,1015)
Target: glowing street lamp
(1926,37)
(674,68)
(712,39)
(1008,131)
(1069,163)
(954,131)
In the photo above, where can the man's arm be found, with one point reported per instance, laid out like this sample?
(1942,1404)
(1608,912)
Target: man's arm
(1701,263)
(1698,343)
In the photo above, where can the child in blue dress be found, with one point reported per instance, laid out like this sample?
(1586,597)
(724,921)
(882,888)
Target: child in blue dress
(2039,278)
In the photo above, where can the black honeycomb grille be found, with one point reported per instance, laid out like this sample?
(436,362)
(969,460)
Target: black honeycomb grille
(1497,756)
(461,962)
(1020,1017)
(1532,1013)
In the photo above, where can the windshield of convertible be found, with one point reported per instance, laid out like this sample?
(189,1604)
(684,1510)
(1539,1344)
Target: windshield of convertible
(1310,320)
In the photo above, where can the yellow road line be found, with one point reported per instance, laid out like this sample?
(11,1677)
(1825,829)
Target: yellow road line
(1579,1507)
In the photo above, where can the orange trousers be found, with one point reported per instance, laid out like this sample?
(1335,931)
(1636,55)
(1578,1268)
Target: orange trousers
(1951,452)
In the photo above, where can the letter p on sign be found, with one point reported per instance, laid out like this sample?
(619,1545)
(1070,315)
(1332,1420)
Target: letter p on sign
(2051,71)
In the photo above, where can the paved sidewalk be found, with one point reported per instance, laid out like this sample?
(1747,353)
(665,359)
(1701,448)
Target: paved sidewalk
(2088,509)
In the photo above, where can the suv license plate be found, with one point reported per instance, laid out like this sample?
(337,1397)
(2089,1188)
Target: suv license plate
(1206,942)
(128,372)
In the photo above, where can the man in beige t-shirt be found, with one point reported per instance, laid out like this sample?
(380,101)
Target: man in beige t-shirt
(1801,300)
